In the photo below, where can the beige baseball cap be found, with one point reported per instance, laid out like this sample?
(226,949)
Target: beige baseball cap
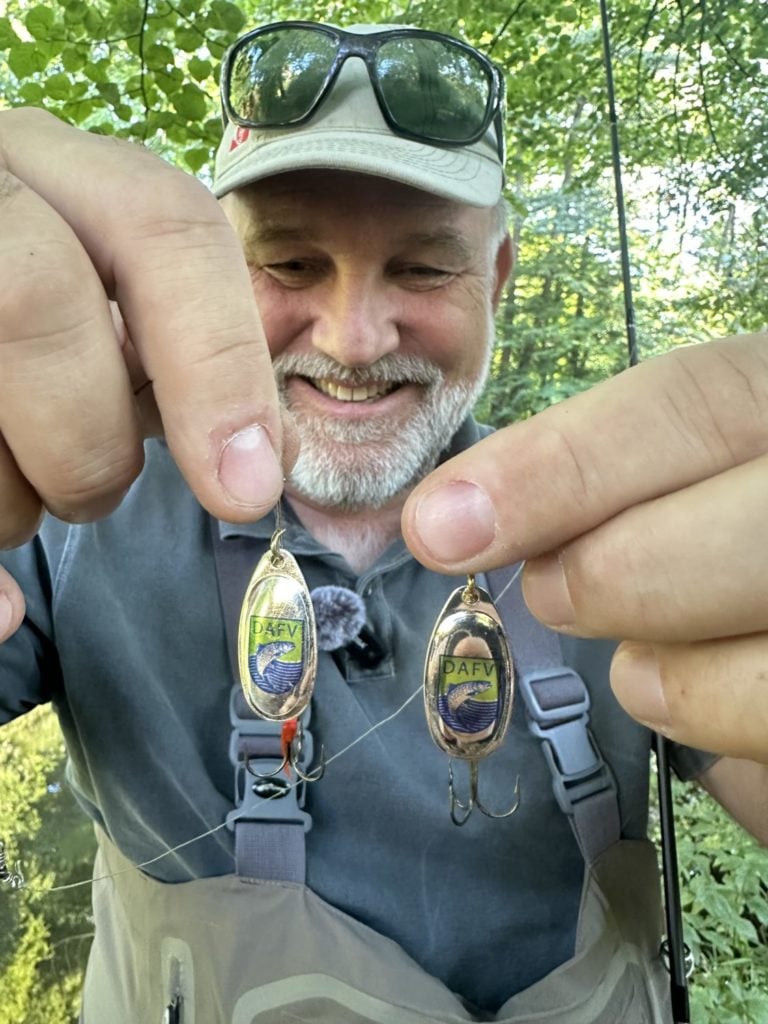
(348,133)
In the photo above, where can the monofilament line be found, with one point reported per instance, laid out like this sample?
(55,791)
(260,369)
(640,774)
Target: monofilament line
(234,817)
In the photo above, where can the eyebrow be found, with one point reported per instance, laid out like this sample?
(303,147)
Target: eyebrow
(450,242)
(267,234)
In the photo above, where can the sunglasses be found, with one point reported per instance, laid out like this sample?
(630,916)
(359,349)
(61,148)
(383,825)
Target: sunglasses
(429,86)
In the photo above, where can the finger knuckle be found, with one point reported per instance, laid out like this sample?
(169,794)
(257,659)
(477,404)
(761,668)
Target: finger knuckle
(186,236)
(91,488)
(744,363)
(575,474)
(43,293)
(611,585)
(181,208)
(235,347)
(716,399)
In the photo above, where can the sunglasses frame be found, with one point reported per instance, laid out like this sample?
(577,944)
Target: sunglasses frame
(366,47)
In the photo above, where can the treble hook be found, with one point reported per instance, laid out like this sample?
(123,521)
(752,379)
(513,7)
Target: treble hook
(474,799)
(295,748)
(292,746)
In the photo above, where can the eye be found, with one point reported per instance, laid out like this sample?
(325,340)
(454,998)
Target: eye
(421,275)
(294,272)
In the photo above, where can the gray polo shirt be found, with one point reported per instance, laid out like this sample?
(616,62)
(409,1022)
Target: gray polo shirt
(124,635)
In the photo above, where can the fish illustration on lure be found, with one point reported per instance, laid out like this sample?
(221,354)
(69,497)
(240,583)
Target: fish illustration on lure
(463,714)
(268,672)
(462,692)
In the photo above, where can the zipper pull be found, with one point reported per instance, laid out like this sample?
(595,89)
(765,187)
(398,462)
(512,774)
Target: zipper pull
(172,1013)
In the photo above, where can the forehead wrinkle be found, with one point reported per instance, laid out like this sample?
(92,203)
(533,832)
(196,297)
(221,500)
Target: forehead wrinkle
(266,234)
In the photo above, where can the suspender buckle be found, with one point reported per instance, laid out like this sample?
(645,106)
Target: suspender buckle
(262,791)
(558,708)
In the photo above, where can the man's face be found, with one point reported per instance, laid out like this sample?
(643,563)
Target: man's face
(377,303)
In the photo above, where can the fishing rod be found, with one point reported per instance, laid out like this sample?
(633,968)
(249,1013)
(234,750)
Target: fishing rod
(674,950)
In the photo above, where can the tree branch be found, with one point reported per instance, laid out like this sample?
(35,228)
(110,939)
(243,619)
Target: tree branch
(703,84)
(142,30)
(512,14)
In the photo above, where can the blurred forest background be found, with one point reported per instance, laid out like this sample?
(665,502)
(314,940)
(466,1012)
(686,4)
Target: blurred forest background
(692,98)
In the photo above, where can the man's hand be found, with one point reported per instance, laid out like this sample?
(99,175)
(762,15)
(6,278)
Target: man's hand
(642,509)
(85,220)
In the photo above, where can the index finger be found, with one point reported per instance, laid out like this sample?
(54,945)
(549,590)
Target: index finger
(165,251)
(534,486)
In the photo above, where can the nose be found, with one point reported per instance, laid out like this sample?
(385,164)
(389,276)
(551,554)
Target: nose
(356,319)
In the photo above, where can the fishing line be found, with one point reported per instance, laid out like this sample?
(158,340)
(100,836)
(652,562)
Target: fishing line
(217,828)
(234,817)
(497,597)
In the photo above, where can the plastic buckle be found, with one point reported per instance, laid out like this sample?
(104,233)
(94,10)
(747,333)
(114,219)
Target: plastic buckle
(251,726)
(263,799)
(559,712)
(578,770)
(263,793)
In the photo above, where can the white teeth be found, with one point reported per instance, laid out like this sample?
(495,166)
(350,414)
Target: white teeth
(360,393)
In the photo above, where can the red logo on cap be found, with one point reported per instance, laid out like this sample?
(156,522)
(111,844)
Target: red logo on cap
(241,134)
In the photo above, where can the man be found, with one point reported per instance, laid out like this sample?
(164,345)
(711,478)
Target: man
(375,258)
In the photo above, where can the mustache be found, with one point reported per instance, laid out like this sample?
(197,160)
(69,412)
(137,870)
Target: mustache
(394,368)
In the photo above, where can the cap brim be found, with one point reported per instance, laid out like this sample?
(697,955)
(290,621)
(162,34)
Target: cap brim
(452,173)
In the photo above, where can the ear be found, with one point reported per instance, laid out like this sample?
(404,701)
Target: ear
(503,268)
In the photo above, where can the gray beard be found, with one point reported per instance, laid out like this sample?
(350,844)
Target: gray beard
(365,464)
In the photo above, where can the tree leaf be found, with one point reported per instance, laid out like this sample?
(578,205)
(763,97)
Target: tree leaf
(228,15)
(8,36)
(73,58)
(32,92)
(197,157)
(25,59)
(191,102)
(39,22)
(200,69)
(58,86)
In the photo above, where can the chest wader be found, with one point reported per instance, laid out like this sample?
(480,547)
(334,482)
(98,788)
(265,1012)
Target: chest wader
(259,947)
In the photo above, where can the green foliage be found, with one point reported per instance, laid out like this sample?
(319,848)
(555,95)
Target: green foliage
(44,939)
(122,68)
(724,891)
(691,90)
(554,337)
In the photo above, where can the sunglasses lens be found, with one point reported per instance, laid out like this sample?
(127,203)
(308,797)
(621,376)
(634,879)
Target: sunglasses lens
(433,89)
(277,77)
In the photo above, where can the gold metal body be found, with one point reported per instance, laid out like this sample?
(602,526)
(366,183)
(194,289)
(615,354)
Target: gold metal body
(276,642)
(468,676)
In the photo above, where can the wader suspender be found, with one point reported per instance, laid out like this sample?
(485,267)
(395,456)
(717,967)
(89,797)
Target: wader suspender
(269,833)
(269,821)
(557,703)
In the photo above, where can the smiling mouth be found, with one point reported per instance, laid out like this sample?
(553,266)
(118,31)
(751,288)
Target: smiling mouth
(352,392)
